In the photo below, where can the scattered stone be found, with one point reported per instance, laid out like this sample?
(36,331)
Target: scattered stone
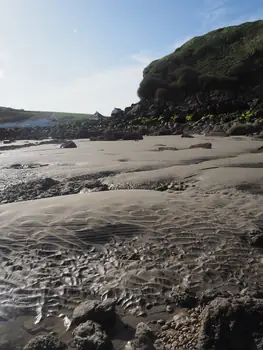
(101,312)
(186,135)
(235,324)
(207,145)
(68,144)
(161,322)
(91,336)
(48,342)
(169,308)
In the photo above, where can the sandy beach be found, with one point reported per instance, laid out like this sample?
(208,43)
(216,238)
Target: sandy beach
(131,242)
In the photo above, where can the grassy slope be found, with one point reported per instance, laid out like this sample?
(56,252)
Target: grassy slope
(235,52)
(9,115)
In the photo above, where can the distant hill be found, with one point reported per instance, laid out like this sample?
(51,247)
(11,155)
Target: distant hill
(34,118)
(223,59)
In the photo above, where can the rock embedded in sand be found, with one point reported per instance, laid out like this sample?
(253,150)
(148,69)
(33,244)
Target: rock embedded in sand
(48,342)
(207,145)
(101,312)
(239,129)
(143,339)
(68,144)
(91,336)
(142,329)
(235,324)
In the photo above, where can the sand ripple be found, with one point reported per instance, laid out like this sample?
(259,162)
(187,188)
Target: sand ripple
(135,245)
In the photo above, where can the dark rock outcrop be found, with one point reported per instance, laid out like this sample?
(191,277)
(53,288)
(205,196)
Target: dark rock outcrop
(47,342)
(232,324)
(91,336)
(101,312)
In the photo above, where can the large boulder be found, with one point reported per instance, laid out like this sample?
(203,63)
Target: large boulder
(68,144)
(232,324)
(101,312)
(91,336)
(239,129)
(47,342)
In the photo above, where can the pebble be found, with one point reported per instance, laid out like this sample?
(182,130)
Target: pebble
(169,308)
(161,322)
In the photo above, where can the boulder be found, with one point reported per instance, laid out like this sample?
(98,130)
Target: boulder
(207,145)
(47,342)
(101,312)
(68,144)
(232,324)
(239,129)
(91,336)
(186,135)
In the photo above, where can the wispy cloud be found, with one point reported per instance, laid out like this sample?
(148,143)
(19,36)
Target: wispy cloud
(214,11)
(75,30)
(180,42)
(143,57)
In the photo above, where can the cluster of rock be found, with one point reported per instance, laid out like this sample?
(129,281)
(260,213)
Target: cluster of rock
(90,326)
(221,323)
(48,187)
(219,114)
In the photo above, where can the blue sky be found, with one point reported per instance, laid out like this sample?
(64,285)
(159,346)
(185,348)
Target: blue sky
(88,55)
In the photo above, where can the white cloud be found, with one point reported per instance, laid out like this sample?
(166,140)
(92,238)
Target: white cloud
(2,73)
(75,30)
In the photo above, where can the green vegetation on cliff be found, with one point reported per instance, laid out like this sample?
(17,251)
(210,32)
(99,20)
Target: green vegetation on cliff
(223,59)
(11,115)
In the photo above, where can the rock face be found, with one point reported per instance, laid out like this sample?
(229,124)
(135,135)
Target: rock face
(235,324)
(68,144)
(91,336)
(47,342)
(101,312)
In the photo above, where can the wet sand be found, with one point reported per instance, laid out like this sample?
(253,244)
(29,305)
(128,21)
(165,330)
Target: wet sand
(133,244)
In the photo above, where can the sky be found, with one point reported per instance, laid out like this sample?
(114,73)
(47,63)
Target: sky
(88,55)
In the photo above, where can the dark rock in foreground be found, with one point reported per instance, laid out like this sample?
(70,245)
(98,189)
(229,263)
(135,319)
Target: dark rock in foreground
(91,336)
(68,144)
(101,312)
(232,324)
(47,342)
